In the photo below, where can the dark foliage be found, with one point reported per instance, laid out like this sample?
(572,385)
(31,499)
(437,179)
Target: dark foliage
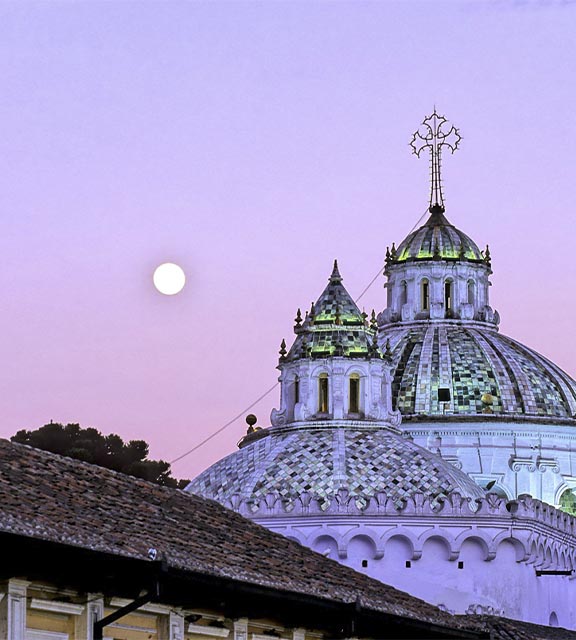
(106,451)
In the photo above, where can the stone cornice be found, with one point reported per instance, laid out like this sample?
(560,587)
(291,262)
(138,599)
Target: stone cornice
(454,506)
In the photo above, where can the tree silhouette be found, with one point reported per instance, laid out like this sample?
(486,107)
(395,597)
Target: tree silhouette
(106,451)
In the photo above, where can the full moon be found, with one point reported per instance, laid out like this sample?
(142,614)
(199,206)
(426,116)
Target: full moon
(169,278)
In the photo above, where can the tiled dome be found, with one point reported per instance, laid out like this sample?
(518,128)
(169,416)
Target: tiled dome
(319,461)
(335,326)
(438,239)
(471,361)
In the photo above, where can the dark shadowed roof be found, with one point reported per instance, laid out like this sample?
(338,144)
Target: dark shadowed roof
(69,504)
(506,629)
(50,497)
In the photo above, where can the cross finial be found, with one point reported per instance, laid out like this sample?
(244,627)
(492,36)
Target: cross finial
(432,135)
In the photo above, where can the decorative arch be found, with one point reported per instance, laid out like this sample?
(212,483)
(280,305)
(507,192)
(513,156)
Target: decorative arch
(325,541)
(565,498)
(405,535)
(442,535)
(485,541)
(540,555)
(295,538)
(522,553)
(365,532)
(532,555)
(362,548)
(555,557)
(319,370)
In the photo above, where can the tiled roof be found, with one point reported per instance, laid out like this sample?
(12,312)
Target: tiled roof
(60,500)
(437,238)
(290,462)
(335,326)
(506,629)
(470,362)
(57,499)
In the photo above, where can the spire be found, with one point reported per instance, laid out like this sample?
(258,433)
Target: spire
(334,326)
(335,277)
(432,135)
(283,351)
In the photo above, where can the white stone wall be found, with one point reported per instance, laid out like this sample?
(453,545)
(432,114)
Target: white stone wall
(375,390)
(404,291)
(483,561)
(521,458)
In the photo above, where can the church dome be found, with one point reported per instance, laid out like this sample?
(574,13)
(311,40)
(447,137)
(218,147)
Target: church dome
(437,239)
(321,461)
(470,360)
(335,326)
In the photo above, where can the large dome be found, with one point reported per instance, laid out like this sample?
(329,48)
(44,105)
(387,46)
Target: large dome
(470,360)
(438,239)
(320,460)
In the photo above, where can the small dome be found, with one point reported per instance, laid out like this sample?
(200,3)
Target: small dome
(438,239)
(334,327)
(320,461)
(471,361)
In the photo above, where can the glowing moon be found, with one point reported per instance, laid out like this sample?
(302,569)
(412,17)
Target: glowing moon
(169,278)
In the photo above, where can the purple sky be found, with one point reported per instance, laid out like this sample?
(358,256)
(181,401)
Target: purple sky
(252,143)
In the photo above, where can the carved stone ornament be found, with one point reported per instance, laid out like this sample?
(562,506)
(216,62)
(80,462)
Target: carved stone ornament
(518,463)
(548,463)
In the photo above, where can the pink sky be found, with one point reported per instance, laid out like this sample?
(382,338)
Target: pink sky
(253,143)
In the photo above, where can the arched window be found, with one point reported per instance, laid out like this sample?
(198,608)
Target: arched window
(471,291)
(403,293)
(425,295)
(323,393)
(354,393)
(296,389)
(568,502)
(448,295)
(553,620)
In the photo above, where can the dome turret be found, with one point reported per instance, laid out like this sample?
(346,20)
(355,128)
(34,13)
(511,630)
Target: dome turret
(334,369)
(448,358)
(438,273)
(334,326)
(438,239)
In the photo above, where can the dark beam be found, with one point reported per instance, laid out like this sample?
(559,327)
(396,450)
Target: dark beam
(98,629)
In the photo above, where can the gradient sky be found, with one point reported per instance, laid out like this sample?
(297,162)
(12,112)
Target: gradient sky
(253,143)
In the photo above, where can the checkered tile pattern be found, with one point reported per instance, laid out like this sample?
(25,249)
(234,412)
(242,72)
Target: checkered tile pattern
(337,328)
(364,462)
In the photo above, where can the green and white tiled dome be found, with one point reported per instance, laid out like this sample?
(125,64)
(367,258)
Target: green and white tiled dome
(438,239)
(319,461)
(335,326)
(469,361)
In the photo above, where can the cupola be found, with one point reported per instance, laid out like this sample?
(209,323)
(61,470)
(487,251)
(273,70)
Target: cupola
(437,272)
(334,369)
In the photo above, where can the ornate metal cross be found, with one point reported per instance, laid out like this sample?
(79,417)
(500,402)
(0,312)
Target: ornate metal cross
(432,136)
